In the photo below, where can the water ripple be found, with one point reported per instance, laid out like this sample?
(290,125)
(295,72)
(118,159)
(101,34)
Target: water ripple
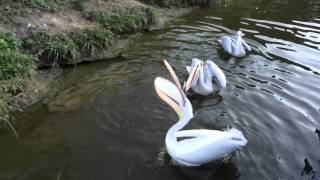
(108,121)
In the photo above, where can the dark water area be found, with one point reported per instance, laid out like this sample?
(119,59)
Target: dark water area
(106,122)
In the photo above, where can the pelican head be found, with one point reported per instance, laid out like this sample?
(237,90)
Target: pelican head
(239,34)
(170,94)
(173,94)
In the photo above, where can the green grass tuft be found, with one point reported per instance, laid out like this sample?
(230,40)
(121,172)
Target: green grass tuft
(66,48)
(15,68)
(8,90)
(13,62)
(78,5)
(180,3)
(124,21)
(167,3)
(170,3)
(14,7)
(89,41)
(9,41)
(50,5)
(51,48)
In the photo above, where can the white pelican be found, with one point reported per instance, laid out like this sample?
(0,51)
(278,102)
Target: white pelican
(235,45)
(201,146)
(201,75)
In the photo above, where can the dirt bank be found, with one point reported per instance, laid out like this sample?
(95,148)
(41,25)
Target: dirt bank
(50,34)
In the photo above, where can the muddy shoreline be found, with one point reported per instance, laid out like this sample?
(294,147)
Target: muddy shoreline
(65,26)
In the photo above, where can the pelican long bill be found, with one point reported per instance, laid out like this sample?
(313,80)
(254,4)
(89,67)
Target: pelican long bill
(175,79)
(192,76)
(170,94)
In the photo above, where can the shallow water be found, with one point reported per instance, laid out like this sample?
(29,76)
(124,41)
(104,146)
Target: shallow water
(106,121)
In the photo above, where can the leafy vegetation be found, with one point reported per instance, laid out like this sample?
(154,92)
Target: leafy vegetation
(18,56)
(169,3)
(65,48)
(8,41)
(77,4)
(89,41)
(180,3)
(51,48)
(15,69)
(13,7)
(50,5)
(126,20)
(13,62)
(16,66)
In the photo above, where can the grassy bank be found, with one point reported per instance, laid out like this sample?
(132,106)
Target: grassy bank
(70,47)
(124,21)
(65,48)
(16,69)
(13,7)
(20,56)
(64,32)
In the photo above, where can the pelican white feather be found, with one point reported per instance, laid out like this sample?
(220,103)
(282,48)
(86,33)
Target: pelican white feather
(202,146)
(235,45)
(201,75)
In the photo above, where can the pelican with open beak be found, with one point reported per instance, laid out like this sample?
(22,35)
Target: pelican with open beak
(198,146)
(201,75)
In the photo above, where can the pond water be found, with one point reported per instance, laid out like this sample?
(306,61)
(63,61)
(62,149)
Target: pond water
(106,122)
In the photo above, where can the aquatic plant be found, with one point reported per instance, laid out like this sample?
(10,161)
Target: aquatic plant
(125,20)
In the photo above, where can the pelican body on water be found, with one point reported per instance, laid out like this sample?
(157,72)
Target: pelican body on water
(201,75)
(201,146)
(235,45)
